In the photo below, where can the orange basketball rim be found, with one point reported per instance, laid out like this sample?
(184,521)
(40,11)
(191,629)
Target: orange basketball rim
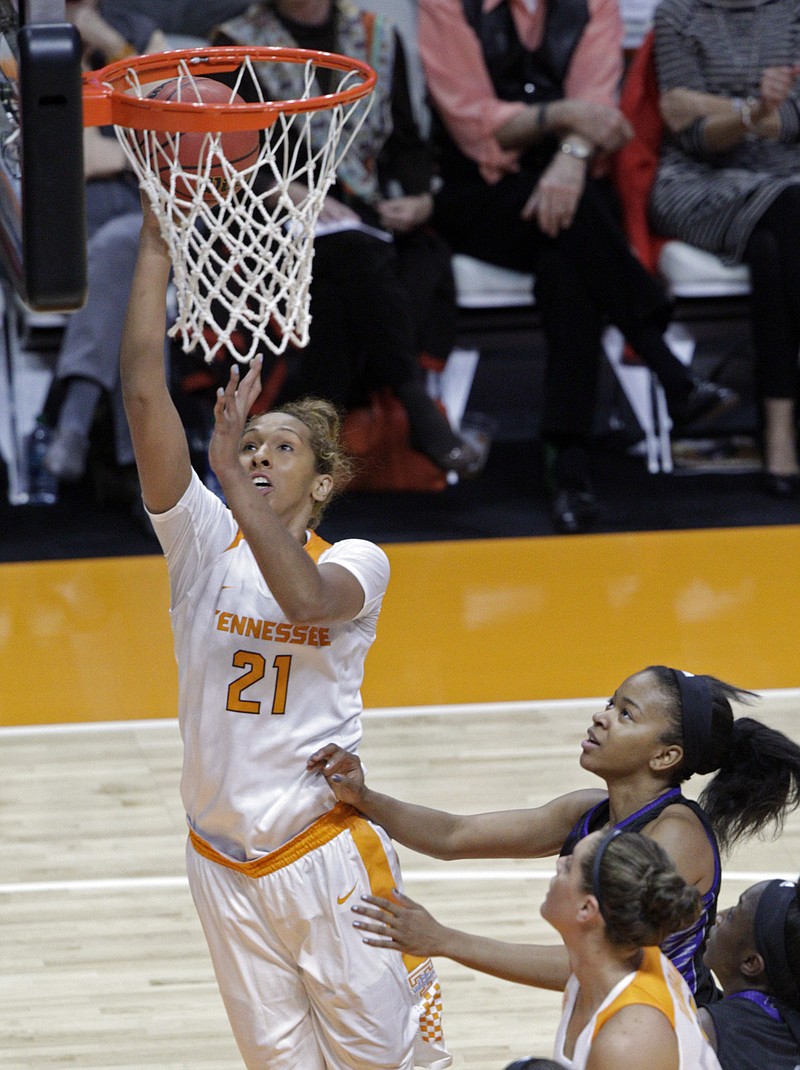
(240,235)
(108,98)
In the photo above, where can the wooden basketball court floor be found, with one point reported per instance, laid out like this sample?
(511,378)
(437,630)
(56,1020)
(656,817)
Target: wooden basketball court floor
(490,659)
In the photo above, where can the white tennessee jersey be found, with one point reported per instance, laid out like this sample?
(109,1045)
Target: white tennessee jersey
(257,695)
(655,984)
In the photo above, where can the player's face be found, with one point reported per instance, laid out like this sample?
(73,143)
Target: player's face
(732,938)
(627,732)
(276,454)
(566,892)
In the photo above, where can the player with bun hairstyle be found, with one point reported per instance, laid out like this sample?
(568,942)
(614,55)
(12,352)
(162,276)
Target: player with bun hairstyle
(660,726)
(754,951)
(271,628)
(613,901)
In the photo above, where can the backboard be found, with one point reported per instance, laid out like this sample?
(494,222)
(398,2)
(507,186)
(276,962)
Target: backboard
(42,199)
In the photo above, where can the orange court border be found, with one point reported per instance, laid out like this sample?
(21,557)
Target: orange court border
(483,621)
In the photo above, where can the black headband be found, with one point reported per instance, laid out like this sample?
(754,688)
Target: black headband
(696,709)
(598,861)
(769,924)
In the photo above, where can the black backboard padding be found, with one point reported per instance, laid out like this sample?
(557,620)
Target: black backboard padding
(53,185)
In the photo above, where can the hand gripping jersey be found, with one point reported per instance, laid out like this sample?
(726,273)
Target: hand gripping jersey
(657,984)
(256,693)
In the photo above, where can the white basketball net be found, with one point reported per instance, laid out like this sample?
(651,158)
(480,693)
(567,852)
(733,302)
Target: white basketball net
(242,260)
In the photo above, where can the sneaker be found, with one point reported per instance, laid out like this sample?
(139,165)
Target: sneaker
(573,510)
(572,498)
(781,486)
(706,401)
(466,460)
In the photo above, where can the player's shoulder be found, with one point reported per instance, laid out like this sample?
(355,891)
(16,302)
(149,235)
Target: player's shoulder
(679,830)
(353,544)
(355,549)
(635,1028)
(574,804)
(678,817)
(365,559)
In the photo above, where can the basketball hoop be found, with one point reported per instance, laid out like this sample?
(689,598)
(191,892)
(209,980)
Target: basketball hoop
(237,187)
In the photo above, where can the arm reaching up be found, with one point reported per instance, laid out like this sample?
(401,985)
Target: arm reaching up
(159,440)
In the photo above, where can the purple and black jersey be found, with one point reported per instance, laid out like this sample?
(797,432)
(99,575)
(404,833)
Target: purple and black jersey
(684,948)
(754,1031)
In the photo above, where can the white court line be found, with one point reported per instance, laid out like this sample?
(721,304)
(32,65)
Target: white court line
(384,713)
(412,876)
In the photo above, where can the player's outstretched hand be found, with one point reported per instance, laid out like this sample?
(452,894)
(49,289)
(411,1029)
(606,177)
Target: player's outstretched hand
(342,770)
(401,924)
(150,234)
(233,404)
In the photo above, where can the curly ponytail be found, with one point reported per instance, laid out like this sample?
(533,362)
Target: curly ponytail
(644,898)
(758,768)
(757,785)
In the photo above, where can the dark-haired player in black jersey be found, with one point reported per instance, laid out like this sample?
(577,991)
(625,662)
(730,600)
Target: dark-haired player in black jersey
(754,951)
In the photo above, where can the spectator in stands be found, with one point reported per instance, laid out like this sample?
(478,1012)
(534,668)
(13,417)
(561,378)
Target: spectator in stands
(112,31)
(525,97)
(181,17)
(729,178)
(379,296)
(88,361)
(754,950)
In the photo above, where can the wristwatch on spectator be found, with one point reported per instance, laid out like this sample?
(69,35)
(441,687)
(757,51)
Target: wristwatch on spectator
(577,148)
(743,107)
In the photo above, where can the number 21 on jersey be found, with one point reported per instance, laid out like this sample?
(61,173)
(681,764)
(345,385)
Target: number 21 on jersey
(255,666)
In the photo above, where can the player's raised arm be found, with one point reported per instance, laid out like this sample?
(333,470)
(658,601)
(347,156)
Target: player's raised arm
(159,440)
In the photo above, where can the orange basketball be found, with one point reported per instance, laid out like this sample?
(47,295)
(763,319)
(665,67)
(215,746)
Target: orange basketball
(240,147)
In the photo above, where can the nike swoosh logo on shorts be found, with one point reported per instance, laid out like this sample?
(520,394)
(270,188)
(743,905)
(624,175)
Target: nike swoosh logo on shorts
(343,898)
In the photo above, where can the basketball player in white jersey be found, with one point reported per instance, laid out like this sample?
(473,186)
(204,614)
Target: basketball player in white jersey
(271,627)
(613,903)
